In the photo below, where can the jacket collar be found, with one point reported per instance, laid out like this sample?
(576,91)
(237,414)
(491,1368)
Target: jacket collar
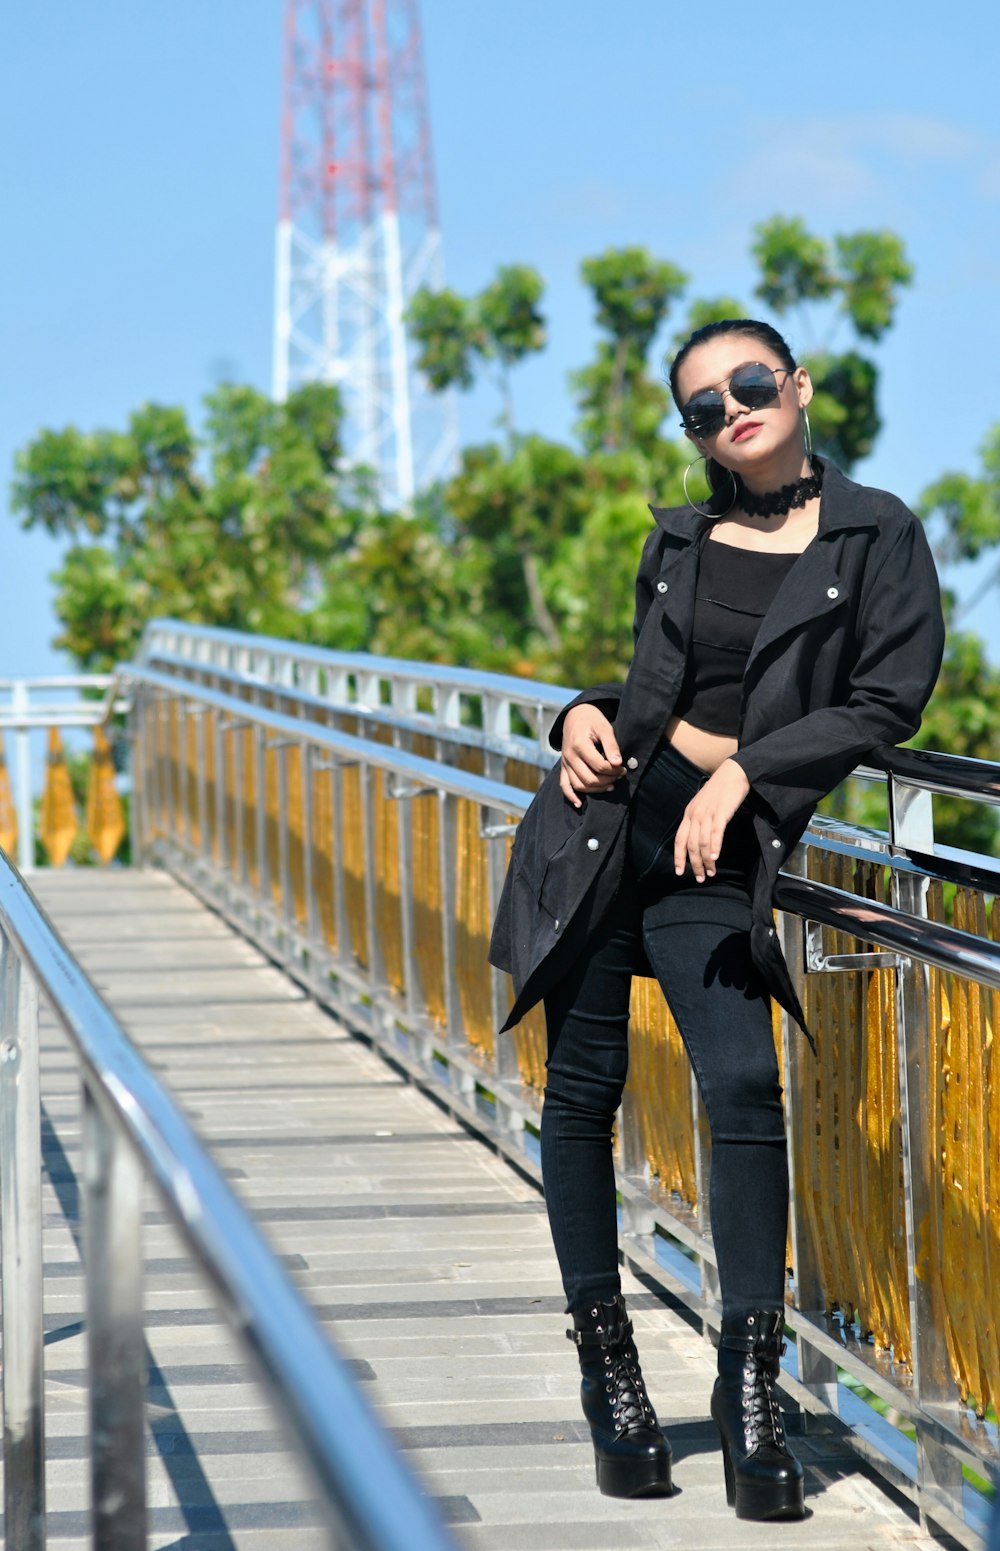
(843,504)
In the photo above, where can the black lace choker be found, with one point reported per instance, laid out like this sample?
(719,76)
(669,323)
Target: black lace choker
(777,503)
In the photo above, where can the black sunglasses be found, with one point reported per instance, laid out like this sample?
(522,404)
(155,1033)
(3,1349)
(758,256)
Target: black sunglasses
(753,385)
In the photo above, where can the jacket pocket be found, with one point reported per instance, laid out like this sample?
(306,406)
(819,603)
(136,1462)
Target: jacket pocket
(555,884)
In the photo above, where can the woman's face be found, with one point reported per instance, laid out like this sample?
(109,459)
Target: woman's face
(749,438)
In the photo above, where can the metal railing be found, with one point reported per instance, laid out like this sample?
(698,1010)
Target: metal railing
(353,814)
(134,1133)
(30,706)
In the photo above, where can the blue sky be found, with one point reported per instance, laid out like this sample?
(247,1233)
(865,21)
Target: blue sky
(139,175)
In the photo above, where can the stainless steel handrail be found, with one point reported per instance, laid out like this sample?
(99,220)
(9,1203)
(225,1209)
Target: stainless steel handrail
(951,775)
(286,665)
(381,756)
(934,942)
(27,707)
(133,1132)
(945,946)
(207,645)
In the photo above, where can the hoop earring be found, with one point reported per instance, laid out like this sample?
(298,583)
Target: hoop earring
(807,431)
(694,505)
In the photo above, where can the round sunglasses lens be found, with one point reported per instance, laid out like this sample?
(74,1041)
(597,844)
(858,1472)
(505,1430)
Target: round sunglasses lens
(754,386)
(704,414)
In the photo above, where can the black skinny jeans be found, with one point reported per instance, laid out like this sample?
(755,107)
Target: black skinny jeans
(696,938)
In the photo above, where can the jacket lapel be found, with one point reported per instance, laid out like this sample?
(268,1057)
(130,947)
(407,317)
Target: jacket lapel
(813,587)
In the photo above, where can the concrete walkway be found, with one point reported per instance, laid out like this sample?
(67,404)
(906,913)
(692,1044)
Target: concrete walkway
(426,1255)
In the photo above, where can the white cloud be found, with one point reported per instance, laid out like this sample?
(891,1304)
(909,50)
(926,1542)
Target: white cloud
(857,163)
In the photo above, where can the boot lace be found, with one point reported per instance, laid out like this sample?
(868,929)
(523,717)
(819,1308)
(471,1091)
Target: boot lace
(631,1407)
(762,1419)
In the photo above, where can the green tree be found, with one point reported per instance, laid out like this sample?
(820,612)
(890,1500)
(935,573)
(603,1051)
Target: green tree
(963,515)
(966,510)
(705,310)
(503,324)
(620,403)
(863,273)
(228,531)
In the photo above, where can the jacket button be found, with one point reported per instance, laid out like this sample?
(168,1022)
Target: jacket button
(633,763)
(776,844)
(661,586)
(592,844)
(833,592)
(557,925)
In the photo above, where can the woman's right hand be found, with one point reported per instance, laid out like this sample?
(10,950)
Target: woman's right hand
(591,760)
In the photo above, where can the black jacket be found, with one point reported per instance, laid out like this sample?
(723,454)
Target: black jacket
(845,659)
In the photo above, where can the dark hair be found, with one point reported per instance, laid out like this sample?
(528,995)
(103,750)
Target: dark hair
(721,479)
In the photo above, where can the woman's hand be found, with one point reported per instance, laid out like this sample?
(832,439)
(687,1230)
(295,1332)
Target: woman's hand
(591,759)
(699,835)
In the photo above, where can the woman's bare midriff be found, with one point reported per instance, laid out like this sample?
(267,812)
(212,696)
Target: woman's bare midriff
(705,749)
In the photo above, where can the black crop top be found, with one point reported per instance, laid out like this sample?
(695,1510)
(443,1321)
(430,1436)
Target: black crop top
(734,592)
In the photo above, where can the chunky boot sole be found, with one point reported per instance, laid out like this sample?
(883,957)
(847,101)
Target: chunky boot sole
(617,1477)
(761,1499)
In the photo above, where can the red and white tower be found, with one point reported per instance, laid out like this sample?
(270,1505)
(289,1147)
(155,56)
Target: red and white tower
(358,232)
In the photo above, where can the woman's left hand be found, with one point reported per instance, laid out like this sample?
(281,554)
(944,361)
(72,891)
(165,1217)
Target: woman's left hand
(699,835)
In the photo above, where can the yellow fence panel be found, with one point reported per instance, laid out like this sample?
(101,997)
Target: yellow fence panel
(245,738)
(212,778)
(850,1133)
(388,884)
(322,841)
(59,820)
(351,829)
(966,1121)
(472,917)
(428,924)
(294,786)
(272,821)
(189,773)
(105,814)
(8,813)
(529,1036)
(659,1089)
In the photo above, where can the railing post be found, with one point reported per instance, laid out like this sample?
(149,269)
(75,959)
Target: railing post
(313,931)
(224,862)
(346,947)
(242,866)
(939,1474)
(138,808)
(817,1371)
(22,766)
(448,854)
(201,781)
(369,774)
(21,1257)
(711,1290)
(260,791)
(496,723)
(287,910)
(116,1352)
(157,771)
(416,1002)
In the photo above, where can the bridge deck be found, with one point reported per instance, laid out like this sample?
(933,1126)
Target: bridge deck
(426,1254)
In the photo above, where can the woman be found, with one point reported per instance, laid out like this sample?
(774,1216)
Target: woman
(779,637)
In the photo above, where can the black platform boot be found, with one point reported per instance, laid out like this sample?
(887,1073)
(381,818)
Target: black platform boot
(763,1480)
(631,1453)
